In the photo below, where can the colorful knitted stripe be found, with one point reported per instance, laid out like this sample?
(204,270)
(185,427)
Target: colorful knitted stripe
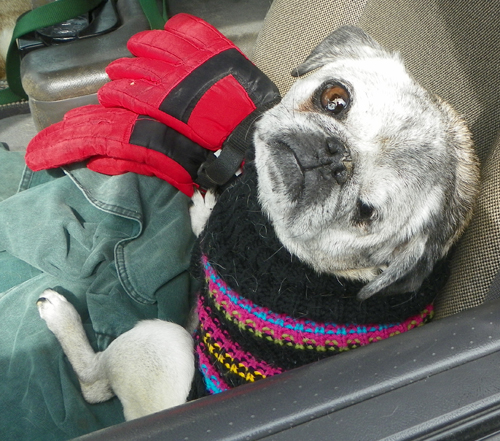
(222,359)
(218,352)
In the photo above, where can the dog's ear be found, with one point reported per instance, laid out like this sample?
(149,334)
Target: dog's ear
(344,41)
(407,271)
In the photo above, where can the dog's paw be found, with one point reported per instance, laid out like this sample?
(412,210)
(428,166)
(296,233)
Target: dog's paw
(201,209)
(57,312)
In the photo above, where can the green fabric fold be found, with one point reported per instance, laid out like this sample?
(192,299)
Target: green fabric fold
(118,247)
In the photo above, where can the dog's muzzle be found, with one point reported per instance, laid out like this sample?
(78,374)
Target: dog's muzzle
(327,158)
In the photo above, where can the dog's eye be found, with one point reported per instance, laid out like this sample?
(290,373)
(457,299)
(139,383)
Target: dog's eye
(335,98)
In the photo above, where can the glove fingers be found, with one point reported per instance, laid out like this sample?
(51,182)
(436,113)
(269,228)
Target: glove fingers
(199,32)
(187,43)
(162,45)
(193,27)
(82,112)
(157,71)
(161,54)
(85,132)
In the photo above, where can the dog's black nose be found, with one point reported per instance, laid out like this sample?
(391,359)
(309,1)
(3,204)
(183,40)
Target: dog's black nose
(340,155)
(335,147)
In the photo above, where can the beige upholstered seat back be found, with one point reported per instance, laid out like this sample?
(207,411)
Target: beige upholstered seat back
(452,47)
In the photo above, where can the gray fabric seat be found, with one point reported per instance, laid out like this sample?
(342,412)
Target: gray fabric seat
(453,49)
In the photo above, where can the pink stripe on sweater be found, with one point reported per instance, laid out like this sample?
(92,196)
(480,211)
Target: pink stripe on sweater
(299,332)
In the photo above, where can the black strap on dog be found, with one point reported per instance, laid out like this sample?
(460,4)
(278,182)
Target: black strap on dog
(221,166)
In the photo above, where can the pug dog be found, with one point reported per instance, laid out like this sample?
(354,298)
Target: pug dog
(363,175)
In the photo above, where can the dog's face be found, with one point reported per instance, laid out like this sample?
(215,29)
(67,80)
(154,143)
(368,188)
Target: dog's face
(362,172)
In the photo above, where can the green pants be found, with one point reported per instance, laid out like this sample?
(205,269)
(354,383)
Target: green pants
(117,247)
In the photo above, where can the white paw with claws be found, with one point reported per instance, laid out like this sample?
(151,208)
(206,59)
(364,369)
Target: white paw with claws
(58,313)
(201,210)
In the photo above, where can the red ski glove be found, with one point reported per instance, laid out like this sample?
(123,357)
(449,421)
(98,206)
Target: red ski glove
(118,141)
(191,78)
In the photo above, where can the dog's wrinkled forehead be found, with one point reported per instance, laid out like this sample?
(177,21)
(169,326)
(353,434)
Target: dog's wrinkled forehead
(374,93)
(374,79)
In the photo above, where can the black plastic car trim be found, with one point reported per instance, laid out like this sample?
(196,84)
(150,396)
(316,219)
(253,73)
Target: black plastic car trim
(319,392)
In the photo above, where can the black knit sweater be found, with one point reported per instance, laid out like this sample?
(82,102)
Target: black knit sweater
(241,256)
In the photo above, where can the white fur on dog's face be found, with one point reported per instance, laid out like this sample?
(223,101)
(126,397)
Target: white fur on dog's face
(377,192)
